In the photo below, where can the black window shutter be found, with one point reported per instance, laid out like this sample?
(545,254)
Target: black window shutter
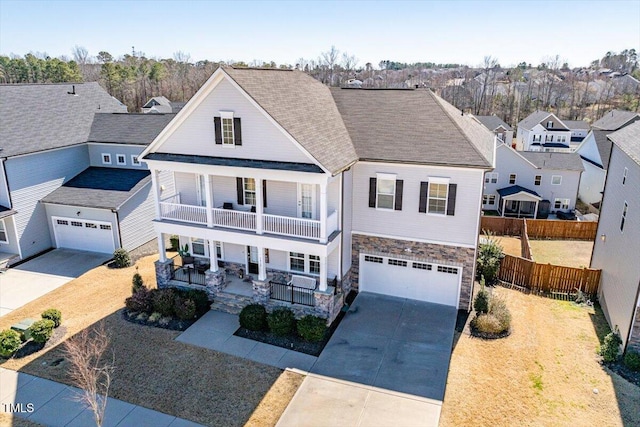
(398,206)
(237,131)
(451,199)
(240,189)
(372,192)
(218,125)
(264,193)
(424,188)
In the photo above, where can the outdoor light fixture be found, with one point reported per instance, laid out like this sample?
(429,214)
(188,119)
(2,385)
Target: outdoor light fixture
(603,237)
(78,213)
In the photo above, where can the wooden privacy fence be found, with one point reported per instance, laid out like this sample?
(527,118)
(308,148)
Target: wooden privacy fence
(541,228)
(548,279)
(525,246)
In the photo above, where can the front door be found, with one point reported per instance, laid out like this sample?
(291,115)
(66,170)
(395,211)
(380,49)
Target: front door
(252,259)
(306,201)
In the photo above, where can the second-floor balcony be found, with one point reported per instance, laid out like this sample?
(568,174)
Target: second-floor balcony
(171,208)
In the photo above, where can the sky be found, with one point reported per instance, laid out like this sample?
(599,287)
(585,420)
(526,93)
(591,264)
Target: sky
(415,31)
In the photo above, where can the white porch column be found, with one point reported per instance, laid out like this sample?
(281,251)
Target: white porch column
(259,206)
(156,190)
(503,203)
(262,265)
(323,274)
(162,250)
(323,213)
(535,211)
(208,201)
(213,256)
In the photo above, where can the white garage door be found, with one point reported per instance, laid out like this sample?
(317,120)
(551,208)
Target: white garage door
(74,233)
(410,279)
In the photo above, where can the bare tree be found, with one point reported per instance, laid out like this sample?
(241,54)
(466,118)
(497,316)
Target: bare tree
(89,369)
(330,60)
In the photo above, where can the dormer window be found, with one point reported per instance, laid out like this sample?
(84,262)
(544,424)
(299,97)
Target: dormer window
(549,124)
(106,158)
(227,129)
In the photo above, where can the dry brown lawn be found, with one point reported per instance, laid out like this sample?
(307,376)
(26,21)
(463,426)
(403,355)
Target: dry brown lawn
(570,253)
(543,374)
(152,369)
(510,245)
(8,420)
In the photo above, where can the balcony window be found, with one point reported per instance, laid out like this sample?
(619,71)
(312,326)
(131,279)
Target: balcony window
(314,264)
(296,261)
(3,232)
(249,186)
(199,247)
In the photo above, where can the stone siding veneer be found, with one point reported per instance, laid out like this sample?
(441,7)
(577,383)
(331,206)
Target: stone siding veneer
(634,340)
(214,282)
(450,255)
(164,273)
(261,291)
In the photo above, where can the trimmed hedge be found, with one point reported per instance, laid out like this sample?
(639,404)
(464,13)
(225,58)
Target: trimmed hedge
(610,347)
(253,317)
(163,301)
(200,299)
(632,360)
(184,308)
(41,330)
(10,342)
(121,258)
(312,328)
(282,321)
(141,301)
(136,283)
(54,315)
(481,301)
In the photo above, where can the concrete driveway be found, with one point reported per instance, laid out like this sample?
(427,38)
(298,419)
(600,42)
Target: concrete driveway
(29,281)
(386,364)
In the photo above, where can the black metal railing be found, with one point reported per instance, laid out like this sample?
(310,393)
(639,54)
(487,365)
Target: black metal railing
(187,274)
(291,294)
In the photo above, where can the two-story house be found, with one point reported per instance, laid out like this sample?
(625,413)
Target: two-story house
(528,184)
(544,131)
(496,125)
(617,244)
(70,175)
(278,177)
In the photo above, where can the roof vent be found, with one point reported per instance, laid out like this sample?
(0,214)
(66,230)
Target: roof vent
(73,91)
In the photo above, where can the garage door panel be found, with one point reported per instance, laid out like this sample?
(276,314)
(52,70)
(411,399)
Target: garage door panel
(409,279)
(74,233)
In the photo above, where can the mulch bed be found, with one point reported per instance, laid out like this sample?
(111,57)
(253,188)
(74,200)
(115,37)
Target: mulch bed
(174,324)
(621,369)
(34,347)
(489,336)
(294,342)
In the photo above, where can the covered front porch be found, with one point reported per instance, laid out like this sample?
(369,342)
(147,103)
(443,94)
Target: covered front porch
(517,201)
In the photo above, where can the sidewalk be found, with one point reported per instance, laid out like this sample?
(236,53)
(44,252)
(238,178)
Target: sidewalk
(54,404)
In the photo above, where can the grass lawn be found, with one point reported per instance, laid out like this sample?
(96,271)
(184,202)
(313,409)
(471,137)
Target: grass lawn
(544,373)
(570,253)
(510,245)
(153,370)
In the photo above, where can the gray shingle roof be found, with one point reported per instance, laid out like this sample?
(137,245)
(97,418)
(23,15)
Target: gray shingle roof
(604,146)
(533,119)
(37,117)
(101,188)
(303,107)
(412,126)
(576,124)
(556,161)
(230,161)
(493,122)
(122,128)
(515,189)
(615,119)
(628,139)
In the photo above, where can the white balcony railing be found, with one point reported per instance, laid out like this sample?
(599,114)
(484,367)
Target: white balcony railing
(288,226)
(184,213)
(234,219)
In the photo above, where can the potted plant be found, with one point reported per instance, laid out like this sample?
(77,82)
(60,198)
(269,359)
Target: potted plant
(185,255)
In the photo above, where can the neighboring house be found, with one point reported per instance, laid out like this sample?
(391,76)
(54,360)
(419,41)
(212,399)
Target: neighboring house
(594,151)
(496,125)
(312,191)
(544,131)
(160,104)
(617,244)
(44,134)
(531,184)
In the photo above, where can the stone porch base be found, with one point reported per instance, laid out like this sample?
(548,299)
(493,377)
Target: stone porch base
(634,334)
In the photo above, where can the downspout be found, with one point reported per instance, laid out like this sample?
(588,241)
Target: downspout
(117,217)
(633,319)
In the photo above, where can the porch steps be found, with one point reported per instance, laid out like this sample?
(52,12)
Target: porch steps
(230,303)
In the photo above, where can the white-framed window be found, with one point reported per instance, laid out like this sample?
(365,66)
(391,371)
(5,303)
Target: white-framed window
(121,159)
(385,191)
(450,270)
(226,121)
(624,216)
(106,158)
(548,138)
(374,259)
(491,177)
(219,250)
(314,264)
(537,138)
(537,180)
(134,160)
(512,178)
(556,180)
(489,199)
(249,189)
(3,232)
(624,176)
(562,138)
(296,261)
(550,124)
(397,262)
(199,247)
(561,203)
(437,196)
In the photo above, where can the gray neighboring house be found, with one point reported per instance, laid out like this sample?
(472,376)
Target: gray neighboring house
(160,104)
(496,125)
(616,119)
(617,244)
(44,141)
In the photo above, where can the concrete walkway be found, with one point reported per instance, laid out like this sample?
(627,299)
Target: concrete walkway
(54,404)
(215,331)
(29,281)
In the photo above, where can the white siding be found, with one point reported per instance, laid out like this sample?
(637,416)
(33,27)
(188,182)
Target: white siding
(261,139)
(333,195)
(135,218)
(617,255)
(591,183)
(185,184)
(235,253)
(408,223)
(589,149)
(86,214)
(282,198)
(4,190)
(347,207)
(96,151)
(332,265)
(278,260)
(31,178)
(12,245)
(224,190)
